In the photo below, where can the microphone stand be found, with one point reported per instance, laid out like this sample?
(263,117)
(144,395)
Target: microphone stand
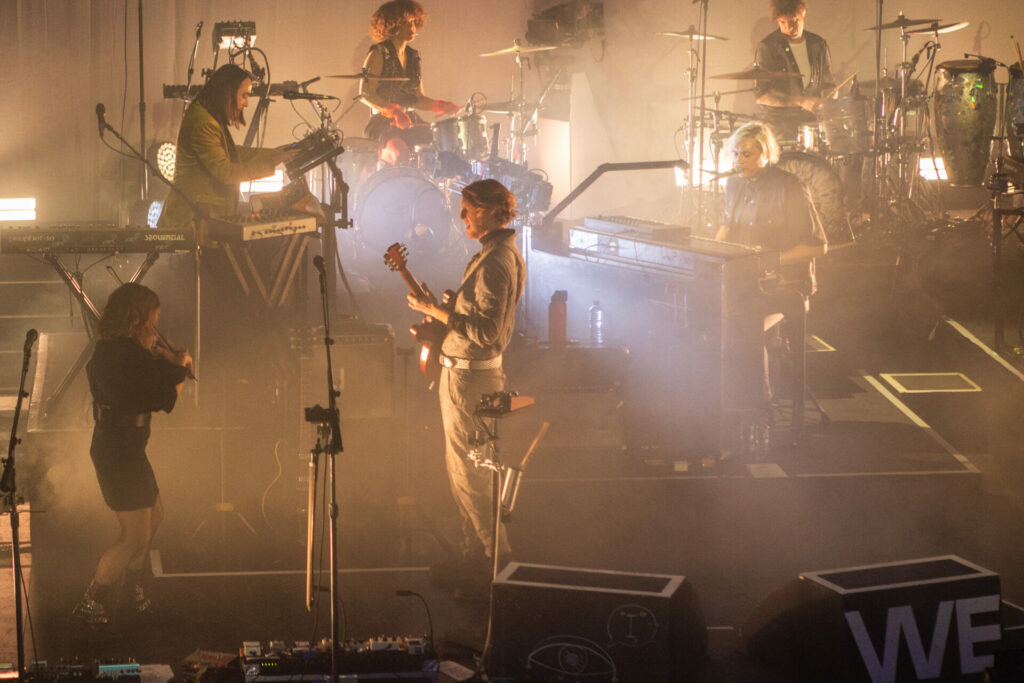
(9,490)
(330,417)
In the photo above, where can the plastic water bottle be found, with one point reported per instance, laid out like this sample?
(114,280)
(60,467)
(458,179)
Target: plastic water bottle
(596,324)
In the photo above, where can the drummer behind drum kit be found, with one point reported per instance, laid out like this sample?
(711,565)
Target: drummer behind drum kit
(417,203)
(889,134)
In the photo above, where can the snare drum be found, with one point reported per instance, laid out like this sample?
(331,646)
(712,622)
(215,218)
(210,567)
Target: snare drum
(844,125)
(464,135)
(965,102)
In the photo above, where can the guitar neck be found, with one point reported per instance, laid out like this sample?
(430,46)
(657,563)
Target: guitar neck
(411,282)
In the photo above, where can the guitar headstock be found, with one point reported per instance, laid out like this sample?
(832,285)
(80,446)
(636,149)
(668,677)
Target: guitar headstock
(397,256)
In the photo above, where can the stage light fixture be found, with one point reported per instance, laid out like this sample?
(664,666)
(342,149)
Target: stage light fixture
(234,34)
(932,169)
(272,183)
(153,214)
(18,209)
(163,154)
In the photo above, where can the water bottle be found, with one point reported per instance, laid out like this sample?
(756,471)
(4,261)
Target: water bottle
(596,324)
(556,316)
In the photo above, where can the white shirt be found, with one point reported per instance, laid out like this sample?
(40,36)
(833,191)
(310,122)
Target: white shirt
(802,60)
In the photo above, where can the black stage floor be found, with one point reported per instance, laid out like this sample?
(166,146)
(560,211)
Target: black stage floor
(896,474)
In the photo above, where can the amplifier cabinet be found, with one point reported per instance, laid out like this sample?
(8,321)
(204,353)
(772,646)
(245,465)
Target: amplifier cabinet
(363,360)
(564,624)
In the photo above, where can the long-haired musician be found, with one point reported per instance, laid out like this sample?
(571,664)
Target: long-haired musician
(209,166)
(130,376)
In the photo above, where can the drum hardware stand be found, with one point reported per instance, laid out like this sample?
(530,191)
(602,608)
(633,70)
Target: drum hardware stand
(9,491)
(329,443)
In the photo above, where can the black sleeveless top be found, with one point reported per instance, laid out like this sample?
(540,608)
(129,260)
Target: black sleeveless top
(404,93)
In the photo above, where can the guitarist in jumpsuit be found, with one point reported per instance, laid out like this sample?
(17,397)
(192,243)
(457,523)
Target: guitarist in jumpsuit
(479,325)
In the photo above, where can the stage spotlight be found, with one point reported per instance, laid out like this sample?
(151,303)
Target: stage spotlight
(153,214)
(18,209)
(163,155)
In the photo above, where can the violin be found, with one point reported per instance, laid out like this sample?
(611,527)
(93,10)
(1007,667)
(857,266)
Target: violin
(165,346)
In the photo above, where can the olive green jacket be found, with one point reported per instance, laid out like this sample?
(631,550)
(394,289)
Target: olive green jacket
(205,172)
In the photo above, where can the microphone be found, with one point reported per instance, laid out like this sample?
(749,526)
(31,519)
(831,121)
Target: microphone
(294,95)
(100,120)
(30,339)
(318,263)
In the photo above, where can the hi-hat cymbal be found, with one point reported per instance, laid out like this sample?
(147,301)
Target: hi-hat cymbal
(510,107)
(936,28)
(518,49)
(369,77)
(756,74)
(690,34)
(903,22)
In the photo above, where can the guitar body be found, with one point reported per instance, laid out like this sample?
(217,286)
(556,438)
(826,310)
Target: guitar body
(429,334)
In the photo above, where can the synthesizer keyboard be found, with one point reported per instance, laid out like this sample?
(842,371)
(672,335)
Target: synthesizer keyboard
(92,239)
(260,226)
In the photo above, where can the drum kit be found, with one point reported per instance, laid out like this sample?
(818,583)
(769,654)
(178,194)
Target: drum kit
(878,131)
(418,200)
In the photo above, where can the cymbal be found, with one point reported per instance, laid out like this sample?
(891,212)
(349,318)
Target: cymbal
(903,22)
(756,74)
(690,33)
(517,48)
(510,107)
(369,77)
(946,28)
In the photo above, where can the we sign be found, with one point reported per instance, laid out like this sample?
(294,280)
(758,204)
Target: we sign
(928,661)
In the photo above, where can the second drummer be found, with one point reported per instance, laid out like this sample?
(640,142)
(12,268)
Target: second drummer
(395,124)
(786,103)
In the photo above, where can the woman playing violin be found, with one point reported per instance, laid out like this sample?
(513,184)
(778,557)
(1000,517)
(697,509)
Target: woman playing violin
(130,376)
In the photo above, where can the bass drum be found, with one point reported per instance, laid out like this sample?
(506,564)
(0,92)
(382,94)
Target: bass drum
(826,190)
(399,204)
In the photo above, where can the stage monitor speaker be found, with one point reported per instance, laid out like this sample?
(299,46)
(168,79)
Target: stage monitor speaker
(928,619)
(567,624)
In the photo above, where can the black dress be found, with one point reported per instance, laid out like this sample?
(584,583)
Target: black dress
(127,383)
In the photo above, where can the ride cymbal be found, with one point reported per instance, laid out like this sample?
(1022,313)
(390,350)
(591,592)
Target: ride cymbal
(518,49)
(756,74)
(935,28)
(690,34)
(903,22)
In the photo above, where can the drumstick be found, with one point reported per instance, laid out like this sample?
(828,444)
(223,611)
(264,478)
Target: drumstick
(839,87)
(1020,59)
(536,442)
